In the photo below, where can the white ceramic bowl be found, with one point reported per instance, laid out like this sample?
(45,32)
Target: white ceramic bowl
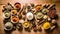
(39,15)
(45,11)
(8,24)
(29,16)
(6,15)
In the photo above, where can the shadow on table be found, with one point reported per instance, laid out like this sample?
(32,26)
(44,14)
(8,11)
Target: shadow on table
(9,32)
(54,31)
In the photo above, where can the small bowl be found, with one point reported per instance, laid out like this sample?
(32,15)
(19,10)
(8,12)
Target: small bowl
(13,11)
(45,11)
(39,15)
(54,21)
(17,5)
(8,26)
(29,16)
(14,19)
(51,13)
(6,14)
(38,7)
(46,25)
(45,17)
(26,24)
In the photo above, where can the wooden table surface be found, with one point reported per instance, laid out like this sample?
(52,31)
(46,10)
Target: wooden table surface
(56,31)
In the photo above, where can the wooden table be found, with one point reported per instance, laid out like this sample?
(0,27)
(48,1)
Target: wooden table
(56,31)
